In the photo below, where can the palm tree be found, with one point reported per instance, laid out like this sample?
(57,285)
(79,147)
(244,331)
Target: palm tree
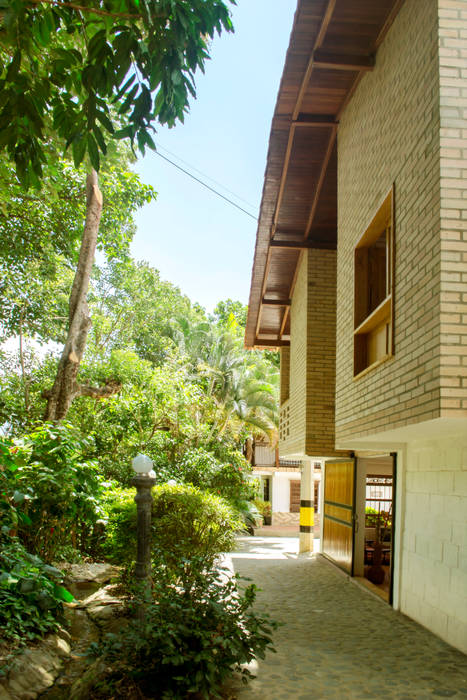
(243,385)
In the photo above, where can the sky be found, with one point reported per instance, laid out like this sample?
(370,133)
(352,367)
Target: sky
(196,240)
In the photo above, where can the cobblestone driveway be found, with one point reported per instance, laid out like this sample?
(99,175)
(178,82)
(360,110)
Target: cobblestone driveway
(338,641)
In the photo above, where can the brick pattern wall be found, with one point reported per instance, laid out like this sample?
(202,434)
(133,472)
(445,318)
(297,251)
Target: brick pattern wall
(293,412)
(285,375)
(307,418)
(453,110)
(389,133)
(321,353)
(434,557)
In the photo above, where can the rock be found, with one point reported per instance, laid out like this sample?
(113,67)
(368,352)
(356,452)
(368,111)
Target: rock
(99,573)
(4,694)
(81,688)
(59,645)
(102,605)
(35,670)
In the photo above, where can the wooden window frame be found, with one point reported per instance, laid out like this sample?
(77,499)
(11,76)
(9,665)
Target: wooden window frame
(374,330)
(294,485)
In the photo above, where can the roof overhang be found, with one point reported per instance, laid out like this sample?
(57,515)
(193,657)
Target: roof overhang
(332,45)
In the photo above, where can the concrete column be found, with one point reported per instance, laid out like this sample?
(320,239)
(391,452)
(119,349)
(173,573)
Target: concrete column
(307,519)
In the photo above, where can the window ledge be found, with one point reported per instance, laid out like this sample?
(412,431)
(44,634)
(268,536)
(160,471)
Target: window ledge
(373,366)
(379,315)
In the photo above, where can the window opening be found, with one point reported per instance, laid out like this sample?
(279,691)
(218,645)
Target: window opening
(373,297)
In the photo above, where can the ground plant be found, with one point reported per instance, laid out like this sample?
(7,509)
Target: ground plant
(59,490)
(31,594)
(197,632)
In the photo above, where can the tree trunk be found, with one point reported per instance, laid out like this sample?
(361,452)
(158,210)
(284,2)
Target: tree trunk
(65,387)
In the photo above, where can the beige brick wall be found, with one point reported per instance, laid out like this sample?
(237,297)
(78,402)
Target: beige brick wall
(453,141)
(321,353)
(389,133)
(293,411)
(285,374)
(307,418)
(434,556)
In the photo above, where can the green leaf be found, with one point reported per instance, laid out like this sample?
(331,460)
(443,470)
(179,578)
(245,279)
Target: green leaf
(105,121)
(62,594)
(24,518)
(93,152)
(128,101)
(99,138)
(79,150)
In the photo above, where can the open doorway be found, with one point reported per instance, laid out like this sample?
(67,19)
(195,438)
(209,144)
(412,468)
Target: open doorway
(374,537)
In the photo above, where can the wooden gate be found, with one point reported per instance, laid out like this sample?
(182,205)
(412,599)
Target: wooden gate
(339,513)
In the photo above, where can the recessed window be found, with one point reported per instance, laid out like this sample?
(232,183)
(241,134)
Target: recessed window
(373,300)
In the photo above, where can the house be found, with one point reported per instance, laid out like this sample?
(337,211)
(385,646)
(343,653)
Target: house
(280,483)
(360,278)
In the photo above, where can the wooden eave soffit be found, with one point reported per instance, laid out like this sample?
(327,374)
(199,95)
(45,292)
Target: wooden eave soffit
(319,59)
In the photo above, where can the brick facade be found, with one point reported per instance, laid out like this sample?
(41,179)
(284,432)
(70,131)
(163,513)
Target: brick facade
(453,142)
(405,126)
(307,417)
(389,133)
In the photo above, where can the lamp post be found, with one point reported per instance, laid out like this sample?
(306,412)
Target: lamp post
(144,480)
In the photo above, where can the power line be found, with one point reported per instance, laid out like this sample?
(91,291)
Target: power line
(211,189)
(211,179)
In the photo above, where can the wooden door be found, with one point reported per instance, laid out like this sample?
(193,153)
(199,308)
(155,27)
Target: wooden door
(295,495)
(339,513)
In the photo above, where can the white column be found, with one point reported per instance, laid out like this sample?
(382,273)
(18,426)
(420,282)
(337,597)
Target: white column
(307,492)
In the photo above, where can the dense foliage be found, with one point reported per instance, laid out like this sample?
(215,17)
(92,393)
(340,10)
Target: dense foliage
(142,368)
(187,523)
(93,71)
(31,594)
(193,639)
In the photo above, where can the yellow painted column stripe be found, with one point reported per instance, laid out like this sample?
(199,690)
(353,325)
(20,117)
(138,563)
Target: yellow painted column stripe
(307,517)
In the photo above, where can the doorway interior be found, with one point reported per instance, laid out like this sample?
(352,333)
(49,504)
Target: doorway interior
(374,536)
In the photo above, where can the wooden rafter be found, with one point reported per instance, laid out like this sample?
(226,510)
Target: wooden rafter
(284,321)
(319,40)
(290,245)
(276,302)
(271,343)
(284,173)
(315,120)
(305,120)
(319,186)
(335,61)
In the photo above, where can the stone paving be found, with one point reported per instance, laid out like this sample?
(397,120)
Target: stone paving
(338,641)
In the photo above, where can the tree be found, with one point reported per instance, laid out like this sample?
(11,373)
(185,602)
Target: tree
(229,310)
(81,70)
(40,235)
(78,72)
(133,308)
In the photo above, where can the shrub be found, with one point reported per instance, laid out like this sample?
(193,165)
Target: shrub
(120,534)
(59,489)
(203,525)
(192,639)
(30,594)
(226,473)
(186,523)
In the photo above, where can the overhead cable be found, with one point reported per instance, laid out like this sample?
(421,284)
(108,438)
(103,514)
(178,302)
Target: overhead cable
(211,189)
(206,177)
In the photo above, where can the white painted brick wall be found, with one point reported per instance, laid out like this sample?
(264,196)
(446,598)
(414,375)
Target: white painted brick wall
(434,556)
